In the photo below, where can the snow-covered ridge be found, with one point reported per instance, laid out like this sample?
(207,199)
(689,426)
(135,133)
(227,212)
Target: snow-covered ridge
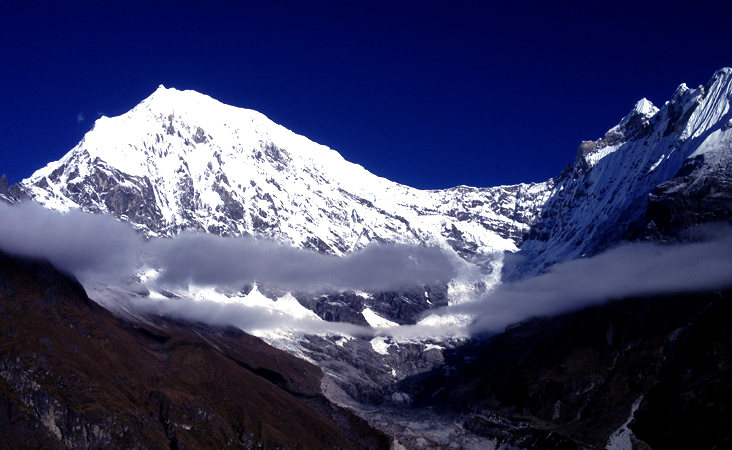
(603,197)
(181,160)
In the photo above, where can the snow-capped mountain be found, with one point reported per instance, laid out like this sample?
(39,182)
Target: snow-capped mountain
(184,161)
(603,197)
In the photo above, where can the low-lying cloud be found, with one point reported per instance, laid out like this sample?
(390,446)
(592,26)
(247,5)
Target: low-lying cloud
(629,270)
(211,260)
(247,318)
(97,244)
(75,242)
(638,269)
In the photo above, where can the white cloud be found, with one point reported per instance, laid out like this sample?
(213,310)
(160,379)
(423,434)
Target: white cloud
(629,270)
(209,259)
(74,241)
(97,246)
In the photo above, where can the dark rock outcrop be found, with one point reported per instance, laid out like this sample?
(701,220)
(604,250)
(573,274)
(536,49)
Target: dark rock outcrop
(701,193)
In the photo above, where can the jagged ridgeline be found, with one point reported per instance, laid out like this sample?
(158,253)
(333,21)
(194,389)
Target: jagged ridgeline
(183,161)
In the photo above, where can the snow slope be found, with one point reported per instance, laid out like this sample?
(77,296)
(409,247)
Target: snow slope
(183,161)
(603,197)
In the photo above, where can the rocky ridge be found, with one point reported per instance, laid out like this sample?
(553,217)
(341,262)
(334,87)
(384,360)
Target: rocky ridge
(183,161)
(652,155)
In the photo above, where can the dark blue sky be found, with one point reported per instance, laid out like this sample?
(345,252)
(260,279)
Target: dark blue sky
(431,94)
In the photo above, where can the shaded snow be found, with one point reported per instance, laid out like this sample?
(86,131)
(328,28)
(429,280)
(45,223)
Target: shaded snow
(621,439)
(380,345)
(377,321)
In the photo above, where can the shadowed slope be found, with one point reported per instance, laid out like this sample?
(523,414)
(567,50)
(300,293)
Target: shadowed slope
(576,378)
(73,375)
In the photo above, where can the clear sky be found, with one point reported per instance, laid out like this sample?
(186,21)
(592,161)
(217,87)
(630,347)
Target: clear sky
(431,94)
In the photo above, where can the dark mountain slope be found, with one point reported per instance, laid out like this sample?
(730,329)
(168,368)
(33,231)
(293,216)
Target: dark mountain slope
(72,375)
(689,408)
(578,376)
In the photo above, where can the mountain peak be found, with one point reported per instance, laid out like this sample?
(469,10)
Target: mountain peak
(723,72)
(644,107)
(181,160)
(603,198)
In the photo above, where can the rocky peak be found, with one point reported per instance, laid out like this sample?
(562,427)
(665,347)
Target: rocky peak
(637,124)
(9,194)
(181,160)
(603,197)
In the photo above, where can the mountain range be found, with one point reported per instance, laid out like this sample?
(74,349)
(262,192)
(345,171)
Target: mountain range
(407,359)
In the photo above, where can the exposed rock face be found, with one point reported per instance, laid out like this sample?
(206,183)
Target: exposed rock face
(9,194)
(404,306)
(74,376)
(700,193)
(371,377)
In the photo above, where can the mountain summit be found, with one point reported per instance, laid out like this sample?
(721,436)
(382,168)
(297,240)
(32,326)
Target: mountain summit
(604,196)
(181,160)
